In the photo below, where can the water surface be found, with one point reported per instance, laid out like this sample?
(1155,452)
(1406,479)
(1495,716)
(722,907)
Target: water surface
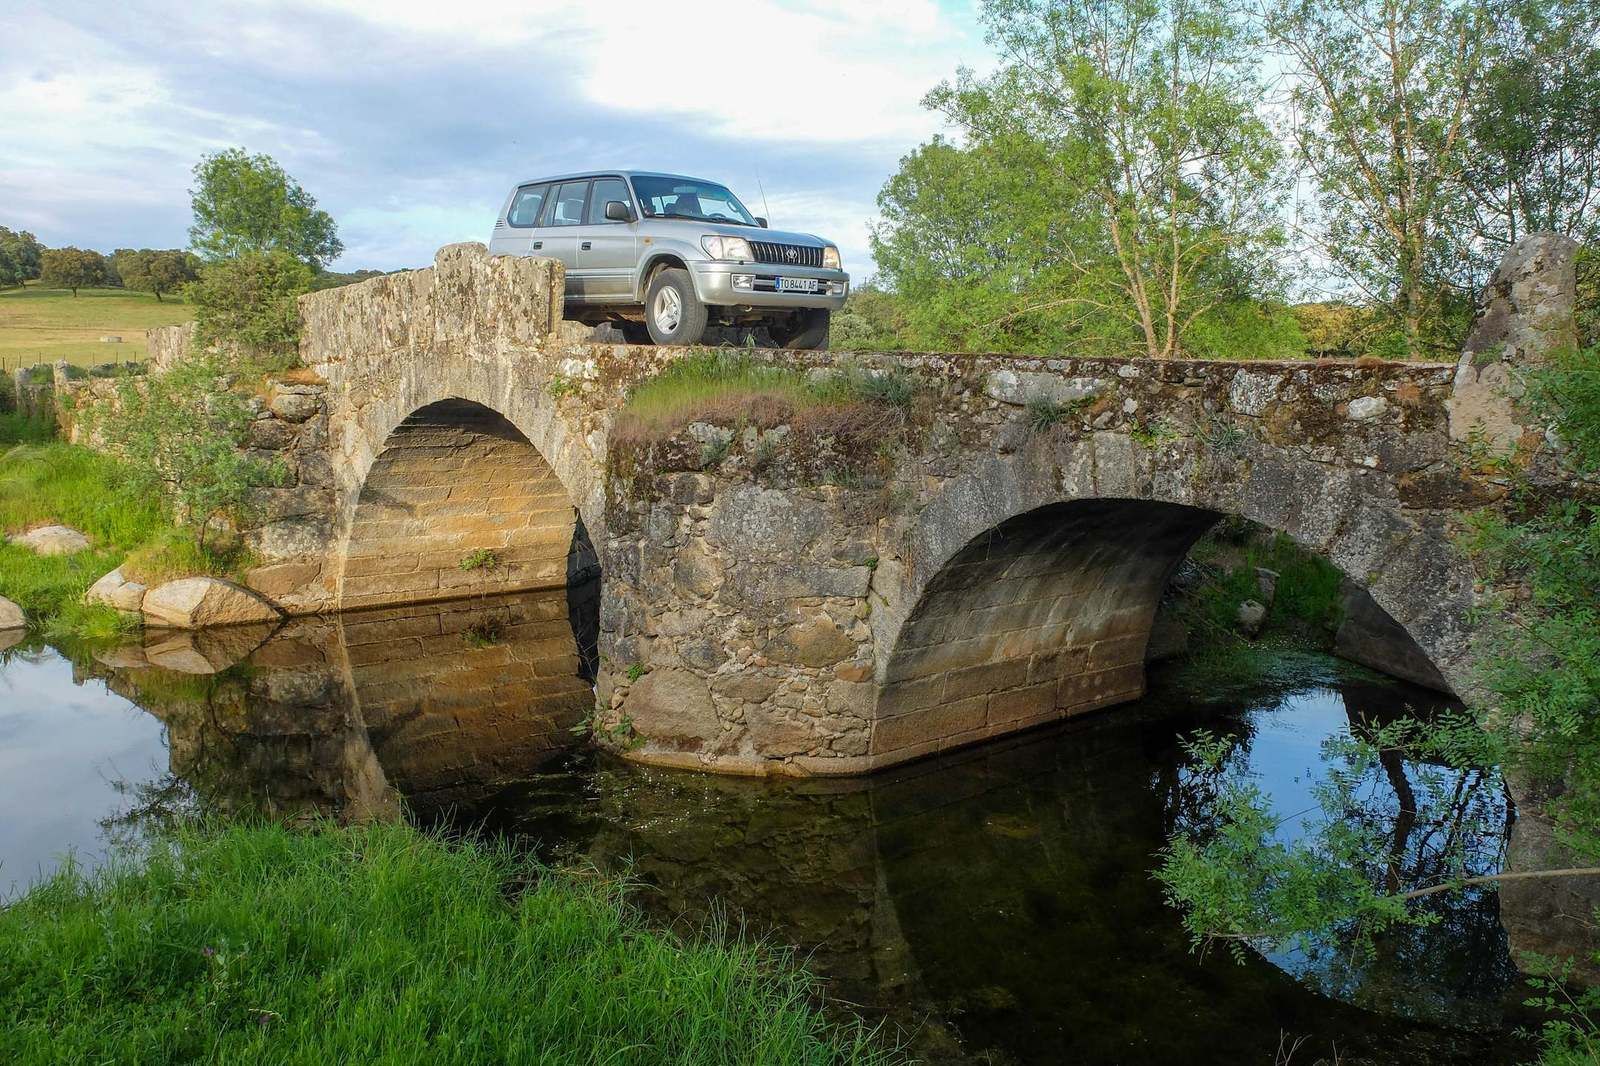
(995,905)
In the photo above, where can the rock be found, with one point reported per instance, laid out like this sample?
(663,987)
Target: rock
(197,602)
(11,616)
(672,708)
(116,591)
(1021,387)
(816,642)
(1267,584)
(1251,617)
(1364,408)
(1528,313)
(10,638)
(52,540)
(294,406)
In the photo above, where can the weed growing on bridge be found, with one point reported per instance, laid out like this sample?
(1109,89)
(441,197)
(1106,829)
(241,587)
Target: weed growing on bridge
(1044,413)
(382,945)
(560,386)
(480,559)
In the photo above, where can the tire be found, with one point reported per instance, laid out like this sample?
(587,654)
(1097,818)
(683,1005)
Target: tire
(634,332)
(807,329)
(672,312)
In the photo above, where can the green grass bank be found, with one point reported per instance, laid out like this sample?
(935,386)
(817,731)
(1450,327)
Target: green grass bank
(44,481)
(382,945)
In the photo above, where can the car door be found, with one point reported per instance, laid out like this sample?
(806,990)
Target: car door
(607,250)
(557,233)
(513,233)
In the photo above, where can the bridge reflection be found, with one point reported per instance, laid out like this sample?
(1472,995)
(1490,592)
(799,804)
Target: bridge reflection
(995,904)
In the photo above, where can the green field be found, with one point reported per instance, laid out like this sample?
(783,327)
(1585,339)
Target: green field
(39,325)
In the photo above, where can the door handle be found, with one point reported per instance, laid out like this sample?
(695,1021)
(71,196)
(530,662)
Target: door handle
(538,244)
(585,246)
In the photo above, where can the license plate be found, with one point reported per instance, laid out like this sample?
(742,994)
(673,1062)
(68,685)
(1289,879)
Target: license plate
(797,284)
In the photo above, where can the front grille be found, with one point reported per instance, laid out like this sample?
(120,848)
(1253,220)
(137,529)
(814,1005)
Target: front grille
(787,254)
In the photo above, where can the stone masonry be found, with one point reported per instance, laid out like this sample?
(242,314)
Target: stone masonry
(786,598)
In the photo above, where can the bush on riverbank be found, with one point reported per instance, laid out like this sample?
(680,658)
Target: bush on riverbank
(381,945)
(54,482)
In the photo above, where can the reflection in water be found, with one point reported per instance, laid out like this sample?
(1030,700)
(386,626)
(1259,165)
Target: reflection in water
(995,905)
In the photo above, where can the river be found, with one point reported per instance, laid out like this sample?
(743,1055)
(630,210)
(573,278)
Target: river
(995,905)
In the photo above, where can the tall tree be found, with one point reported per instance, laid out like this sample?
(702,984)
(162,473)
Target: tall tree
(1382,93)
(1128,131)
(157,271)
(1534,123)
(74,268)
(246,204)
(24,252)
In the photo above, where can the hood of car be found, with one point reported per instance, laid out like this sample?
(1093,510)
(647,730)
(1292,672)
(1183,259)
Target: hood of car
(753,233)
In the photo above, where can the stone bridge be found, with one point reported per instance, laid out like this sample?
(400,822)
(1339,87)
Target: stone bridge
(802,593)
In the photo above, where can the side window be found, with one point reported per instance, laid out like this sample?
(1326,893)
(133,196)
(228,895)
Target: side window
(568,207)
(525,206)
(606,189)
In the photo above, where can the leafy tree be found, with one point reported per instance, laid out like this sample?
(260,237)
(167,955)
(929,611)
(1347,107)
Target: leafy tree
(148,270)
(74,268)
(183,432)
(1116,171)
(1534,124)
(21,257)
(250,301)
(1382,96)
(246,204)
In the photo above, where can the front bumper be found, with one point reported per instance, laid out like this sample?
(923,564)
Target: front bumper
(715,284)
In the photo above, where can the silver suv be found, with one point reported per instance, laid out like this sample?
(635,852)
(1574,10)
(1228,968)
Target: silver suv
(663,256)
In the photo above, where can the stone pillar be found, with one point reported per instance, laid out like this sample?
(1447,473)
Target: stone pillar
(1528,314)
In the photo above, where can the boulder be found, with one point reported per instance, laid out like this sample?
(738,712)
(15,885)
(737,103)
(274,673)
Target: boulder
(11,616)
(197,602)
(116,591)
(672,708)
(1251,617)
(52,540)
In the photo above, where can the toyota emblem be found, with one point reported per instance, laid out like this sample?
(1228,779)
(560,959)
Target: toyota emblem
(790,254)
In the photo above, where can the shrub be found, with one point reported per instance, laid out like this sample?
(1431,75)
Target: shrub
(249,303)
(181,433)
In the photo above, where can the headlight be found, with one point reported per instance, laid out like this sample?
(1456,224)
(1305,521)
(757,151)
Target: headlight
(830,258)
(720,247)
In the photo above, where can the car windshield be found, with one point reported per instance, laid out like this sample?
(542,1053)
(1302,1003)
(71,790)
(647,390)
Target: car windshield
(687,198)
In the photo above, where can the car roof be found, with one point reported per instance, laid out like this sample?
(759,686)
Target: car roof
(608,173)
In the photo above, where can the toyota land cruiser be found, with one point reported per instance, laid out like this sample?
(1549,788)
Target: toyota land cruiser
(663,256)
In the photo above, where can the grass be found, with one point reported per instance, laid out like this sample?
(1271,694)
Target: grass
(49,482)
(730,388)
(40,325)
(382,945)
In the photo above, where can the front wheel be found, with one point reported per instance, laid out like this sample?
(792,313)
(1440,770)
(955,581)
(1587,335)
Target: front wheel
(806,329)
(672,312)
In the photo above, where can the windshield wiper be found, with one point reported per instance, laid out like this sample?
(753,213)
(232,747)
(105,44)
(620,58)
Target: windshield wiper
(700,218)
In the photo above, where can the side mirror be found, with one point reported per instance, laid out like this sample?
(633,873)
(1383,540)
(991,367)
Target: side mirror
(761,222)
(617,211)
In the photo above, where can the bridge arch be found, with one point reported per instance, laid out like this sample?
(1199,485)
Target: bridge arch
(1028,585)
(456,502)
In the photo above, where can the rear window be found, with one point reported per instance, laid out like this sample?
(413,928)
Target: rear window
(569,204)
(525,205)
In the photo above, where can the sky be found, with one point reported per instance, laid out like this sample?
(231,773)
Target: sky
(410,121)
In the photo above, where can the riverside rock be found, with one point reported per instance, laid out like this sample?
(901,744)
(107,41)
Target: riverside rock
(115,590)
(11,616)
(52,540)
(197,602)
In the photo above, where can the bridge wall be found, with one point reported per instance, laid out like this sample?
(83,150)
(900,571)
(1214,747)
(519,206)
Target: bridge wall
(781,595)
